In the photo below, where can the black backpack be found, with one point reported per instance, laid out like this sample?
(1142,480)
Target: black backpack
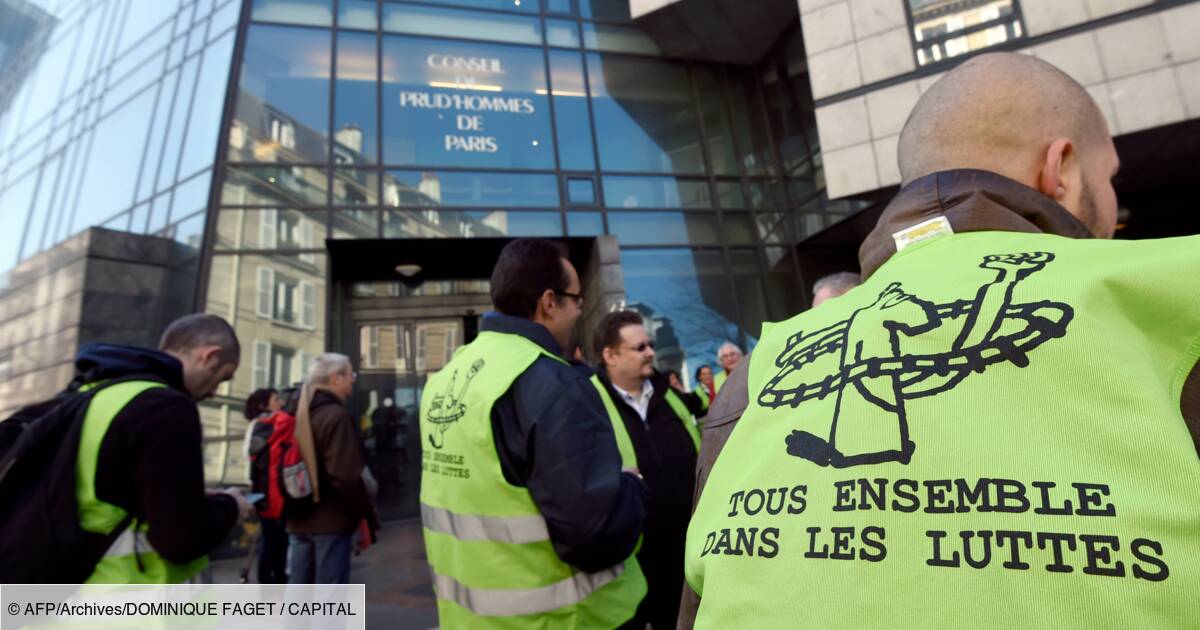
(43,542)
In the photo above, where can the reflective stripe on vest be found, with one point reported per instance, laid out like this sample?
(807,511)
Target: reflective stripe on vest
(488,546)
(516,530)
(530,601)
(624,443)
(120,564)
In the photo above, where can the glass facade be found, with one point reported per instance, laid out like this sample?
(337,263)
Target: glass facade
(366,119)
(111,113)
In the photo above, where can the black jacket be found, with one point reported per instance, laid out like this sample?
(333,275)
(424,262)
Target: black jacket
(665,451)
(554,438)
(151,460)
(666,458)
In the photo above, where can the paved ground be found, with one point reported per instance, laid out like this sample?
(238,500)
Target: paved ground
(399,594)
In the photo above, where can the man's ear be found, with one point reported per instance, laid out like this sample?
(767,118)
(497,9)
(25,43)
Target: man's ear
(546,301)
(209,354)
(1052,181)
(606,355)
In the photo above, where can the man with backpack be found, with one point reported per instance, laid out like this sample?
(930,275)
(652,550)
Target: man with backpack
(105,483)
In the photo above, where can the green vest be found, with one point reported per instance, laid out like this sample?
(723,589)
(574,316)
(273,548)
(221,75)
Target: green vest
(488,546)
(120,564)
(985,434)
(673,399)
(719,380)
(702,392)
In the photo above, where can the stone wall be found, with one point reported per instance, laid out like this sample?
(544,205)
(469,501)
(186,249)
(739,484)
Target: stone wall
(1143,69)
(100,285)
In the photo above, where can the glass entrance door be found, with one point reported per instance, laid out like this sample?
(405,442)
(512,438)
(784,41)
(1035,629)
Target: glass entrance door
(396,358)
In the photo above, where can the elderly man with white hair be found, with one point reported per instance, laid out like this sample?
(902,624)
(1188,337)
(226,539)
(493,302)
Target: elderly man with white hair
(321,539)
(728,357)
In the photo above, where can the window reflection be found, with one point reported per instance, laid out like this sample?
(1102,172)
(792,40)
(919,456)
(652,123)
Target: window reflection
(611,38)
(350,224)
(581,191)
(646,114)
(752,301)
(574,125)
(355,186)
(716,121)
(310,12)
(278,302)
(117,145)
(729,195)
(519,6)
(457,188)
(357,14)
(663,228)
(354,121)
(283,98)
(274,185)
(584,224)
(753,139)
(944,28)
(469,224)
(655,192)
(738,228)
(608,10)
(497,27)
(687,300)
(562,33)
(465,104)
(205,118)
(270,228)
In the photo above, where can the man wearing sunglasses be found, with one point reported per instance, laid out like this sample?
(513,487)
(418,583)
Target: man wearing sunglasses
(658,419)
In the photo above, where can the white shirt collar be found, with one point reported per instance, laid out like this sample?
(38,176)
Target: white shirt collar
(641,401)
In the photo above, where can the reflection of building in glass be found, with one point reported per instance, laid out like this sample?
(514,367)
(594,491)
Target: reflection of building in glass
(949,28)
(668,355)
(24,30)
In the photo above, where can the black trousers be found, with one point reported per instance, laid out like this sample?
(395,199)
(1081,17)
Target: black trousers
(272,552)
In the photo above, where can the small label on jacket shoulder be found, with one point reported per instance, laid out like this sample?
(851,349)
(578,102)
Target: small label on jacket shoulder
(933,228)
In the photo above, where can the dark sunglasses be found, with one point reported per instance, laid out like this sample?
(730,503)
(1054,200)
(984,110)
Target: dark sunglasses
(641,347)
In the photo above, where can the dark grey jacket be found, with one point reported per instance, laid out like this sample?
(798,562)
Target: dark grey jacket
(554,438)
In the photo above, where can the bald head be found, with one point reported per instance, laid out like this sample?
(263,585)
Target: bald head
(1017,116)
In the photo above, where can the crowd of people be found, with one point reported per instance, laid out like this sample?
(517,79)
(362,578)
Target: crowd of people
(877,459)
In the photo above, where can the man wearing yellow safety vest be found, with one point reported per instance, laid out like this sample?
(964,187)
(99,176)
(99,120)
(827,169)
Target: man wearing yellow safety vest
(531,511)
(729,356)
(140,453)
(665,439)
(993,430)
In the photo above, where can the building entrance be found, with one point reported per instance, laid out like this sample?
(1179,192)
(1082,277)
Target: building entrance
(399,335)
(402,308)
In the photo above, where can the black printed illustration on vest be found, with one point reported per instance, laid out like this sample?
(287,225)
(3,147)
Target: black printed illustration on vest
(878,359)
(447,407)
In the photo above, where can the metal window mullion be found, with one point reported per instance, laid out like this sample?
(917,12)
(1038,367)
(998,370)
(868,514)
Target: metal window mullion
(222,152)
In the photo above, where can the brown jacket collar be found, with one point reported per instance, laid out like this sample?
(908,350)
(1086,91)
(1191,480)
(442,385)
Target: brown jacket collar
(973,201)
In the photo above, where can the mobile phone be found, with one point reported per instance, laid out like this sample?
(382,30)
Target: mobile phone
(255,497)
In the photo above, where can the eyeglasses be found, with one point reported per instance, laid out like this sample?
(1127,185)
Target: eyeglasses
(641,347)
(574,296)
